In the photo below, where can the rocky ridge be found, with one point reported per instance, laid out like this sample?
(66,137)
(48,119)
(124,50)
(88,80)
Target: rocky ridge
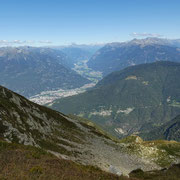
(27,123)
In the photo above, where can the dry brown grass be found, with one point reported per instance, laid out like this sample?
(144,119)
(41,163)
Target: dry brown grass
(19,162)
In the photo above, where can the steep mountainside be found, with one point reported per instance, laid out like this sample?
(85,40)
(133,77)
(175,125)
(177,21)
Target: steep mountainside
(30,71)
(168,131)
(24,122)
(136,99)
(116,56)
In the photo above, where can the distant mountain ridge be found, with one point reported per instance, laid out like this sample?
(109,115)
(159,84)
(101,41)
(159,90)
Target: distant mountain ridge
(78,53)
(29,70)
(116,56)
(151,41)
(134,100)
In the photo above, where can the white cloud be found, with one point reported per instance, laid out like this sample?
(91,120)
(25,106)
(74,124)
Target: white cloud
(3,42)
(25,42)
(17,42)
(135,34)
(14,42)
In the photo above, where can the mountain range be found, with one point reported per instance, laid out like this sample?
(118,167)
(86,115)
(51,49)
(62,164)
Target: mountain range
(117,56)
(78,53)
(29,70)
(126,127)
(137,99)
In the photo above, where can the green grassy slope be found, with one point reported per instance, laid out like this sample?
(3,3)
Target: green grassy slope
(136,99)
(168,131)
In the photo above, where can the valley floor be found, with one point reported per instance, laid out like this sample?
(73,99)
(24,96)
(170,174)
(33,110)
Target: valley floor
(81,68)
(46,97)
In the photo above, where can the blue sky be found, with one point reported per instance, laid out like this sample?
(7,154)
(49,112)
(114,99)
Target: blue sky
(59,22)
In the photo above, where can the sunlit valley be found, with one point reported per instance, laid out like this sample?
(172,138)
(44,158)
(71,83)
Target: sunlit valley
(98,100)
